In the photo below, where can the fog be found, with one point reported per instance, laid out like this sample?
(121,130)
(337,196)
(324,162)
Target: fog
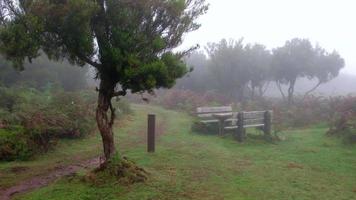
(113,99)
(329,23)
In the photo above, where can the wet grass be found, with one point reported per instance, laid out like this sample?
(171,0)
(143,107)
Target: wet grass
(66,152)
(306,165)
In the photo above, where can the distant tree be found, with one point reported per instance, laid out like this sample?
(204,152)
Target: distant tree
(229,67)
(128,42)
(297,59)
(326,67)
(258,60)
(291,62)
(199,78)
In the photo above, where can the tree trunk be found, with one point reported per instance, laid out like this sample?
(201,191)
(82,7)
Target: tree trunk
(105,122)
(291,91)
(280,90)
(253,88)
(240,93)
(263,88)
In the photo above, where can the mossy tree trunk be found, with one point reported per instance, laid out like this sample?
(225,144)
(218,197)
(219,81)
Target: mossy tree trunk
(104,120)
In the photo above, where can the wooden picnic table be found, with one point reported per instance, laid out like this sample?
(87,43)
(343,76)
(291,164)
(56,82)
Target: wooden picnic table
(222,117)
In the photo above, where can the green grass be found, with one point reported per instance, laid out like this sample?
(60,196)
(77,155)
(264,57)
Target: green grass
(66,152)
(307,165)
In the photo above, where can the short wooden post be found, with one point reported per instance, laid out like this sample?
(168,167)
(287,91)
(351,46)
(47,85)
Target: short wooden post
(267,123)
(240,127)
(151,133)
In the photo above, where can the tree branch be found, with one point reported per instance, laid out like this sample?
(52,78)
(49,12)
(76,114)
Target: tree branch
(280,89)
(119,93)
(311,90)
(89,61)
(266,86)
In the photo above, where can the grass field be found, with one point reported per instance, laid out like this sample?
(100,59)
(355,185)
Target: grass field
(186,165)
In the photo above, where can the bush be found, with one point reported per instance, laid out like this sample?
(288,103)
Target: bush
(343,121)
(15,144)
(302,113)
(32,121)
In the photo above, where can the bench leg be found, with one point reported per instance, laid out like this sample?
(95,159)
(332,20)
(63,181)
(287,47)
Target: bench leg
(240,134)
(221,127)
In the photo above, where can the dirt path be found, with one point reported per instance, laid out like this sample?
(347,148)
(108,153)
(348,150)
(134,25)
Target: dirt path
(41,181)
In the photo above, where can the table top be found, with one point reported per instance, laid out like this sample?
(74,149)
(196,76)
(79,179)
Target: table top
(222,115)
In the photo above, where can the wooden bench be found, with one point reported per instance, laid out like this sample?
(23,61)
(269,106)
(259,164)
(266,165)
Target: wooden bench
(245,120)
(218,115)
(238,121)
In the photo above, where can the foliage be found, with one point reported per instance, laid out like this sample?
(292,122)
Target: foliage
(129,43)
(258,60)
(305,112)
(14,144)
(343,121)
(32,121)
(244,71)
(136,52)
(298,58)
(193,166)
(228,64)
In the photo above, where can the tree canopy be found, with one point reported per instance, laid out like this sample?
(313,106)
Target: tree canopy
(298,58)
(244,71)
(228,66)
(128,42)
(238,68)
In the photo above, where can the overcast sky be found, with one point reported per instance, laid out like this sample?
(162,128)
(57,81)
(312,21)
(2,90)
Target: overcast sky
(331,23)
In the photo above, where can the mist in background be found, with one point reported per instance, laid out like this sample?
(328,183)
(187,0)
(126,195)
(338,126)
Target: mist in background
(328,24)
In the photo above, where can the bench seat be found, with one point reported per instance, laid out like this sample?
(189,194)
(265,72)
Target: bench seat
(233,120)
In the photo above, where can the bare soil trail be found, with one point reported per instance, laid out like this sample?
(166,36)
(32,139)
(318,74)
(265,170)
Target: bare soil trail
(41,181)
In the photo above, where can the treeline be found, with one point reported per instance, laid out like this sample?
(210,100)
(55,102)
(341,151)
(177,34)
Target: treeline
(245,71)
(43,73)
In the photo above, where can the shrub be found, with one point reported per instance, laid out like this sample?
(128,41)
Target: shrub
(32,121)
(15,144)
(343,121)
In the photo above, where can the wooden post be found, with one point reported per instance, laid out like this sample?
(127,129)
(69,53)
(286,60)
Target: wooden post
(240,127)
(268,123)
(151,133)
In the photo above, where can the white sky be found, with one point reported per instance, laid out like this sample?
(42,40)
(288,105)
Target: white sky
(331,23)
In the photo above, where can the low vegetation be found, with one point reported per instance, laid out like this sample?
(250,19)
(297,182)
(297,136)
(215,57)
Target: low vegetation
(343,123)
(49,110)
(305,165)
(32,121)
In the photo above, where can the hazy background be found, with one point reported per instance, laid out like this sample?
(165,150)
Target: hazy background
(331,23)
